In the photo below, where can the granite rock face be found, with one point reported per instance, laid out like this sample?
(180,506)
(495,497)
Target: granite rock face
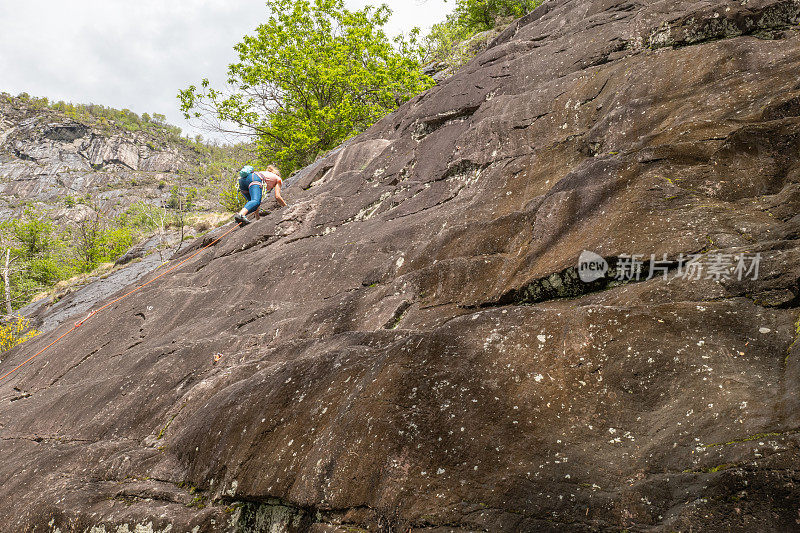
(45,156)
(409,345)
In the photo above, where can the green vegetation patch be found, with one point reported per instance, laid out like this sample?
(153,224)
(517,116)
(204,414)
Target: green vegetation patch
(312,76)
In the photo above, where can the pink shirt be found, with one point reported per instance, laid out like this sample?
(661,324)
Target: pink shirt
(269,179)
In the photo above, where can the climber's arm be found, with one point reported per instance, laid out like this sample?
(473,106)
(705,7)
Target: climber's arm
(278,196)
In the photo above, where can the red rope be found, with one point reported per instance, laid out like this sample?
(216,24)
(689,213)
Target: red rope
(112,302)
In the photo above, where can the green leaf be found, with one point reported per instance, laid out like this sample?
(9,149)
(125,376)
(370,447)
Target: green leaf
(311,76)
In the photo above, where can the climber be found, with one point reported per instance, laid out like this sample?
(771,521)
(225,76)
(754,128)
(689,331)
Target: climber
(251,186)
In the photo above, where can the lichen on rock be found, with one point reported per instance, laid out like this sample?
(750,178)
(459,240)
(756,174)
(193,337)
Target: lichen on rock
(410,347)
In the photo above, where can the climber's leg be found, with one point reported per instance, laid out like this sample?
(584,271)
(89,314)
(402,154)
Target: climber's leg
(240,216)
(255,198)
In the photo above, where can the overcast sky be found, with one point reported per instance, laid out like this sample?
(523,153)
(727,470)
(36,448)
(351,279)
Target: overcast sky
(138,54)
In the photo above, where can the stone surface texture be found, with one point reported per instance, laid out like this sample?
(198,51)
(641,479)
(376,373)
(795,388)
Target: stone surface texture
(404,348)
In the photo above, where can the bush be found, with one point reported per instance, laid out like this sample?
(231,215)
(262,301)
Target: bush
(37,251)
(142,217)
(35,236)
(15,331)
(183,199)
(443,43)
(45,271)
(113,242)
(192,195)
(230,198)
(481,15)
(96,241)
(447,41)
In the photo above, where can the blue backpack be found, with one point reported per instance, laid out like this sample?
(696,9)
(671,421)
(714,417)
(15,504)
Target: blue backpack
(246,171)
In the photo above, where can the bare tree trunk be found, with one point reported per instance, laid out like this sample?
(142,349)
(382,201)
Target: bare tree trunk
(7,280)
(162,228)
(181,218)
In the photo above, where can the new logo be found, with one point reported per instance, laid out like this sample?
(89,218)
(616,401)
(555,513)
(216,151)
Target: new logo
(591,267)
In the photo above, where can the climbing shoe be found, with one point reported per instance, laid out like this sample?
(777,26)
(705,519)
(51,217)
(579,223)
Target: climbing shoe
(241,220)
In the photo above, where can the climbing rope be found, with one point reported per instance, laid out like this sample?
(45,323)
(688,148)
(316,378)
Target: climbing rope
(112,302)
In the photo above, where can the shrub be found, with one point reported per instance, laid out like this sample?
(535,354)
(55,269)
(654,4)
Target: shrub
(182,199)
(229,196)
(36,249)
(142,216)
(15,331)
(448,40)
(96,241)
(192,195)
(443,44)
(481,15)
(45,271)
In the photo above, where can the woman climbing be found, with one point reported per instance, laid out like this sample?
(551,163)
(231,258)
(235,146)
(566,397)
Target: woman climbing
(251,186)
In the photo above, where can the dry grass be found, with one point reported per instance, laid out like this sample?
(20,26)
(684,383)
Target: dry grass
(64,287)
(202,222)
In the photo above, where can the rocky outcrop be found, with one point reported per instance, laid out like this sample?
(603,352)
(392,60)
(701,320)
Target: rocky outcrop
(411,344)
(45,156)
(447,64)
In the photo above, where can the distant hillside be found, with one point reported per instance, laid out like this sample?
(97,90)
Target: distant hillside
(94,182)
(51,152)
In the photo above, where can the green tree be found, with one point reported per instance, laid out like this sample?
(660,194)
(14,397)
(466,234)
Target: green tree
(444,42)
(35,249)
(312,76)
(34,235)
(97,240)
(480,15)
(451,41)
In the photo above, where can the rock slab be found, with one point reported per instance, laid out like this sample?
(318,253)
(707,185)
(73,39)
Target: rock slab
(406,347)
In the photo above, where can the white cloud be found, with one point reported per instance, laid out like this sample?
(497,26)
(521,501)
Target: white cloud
(138,55)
